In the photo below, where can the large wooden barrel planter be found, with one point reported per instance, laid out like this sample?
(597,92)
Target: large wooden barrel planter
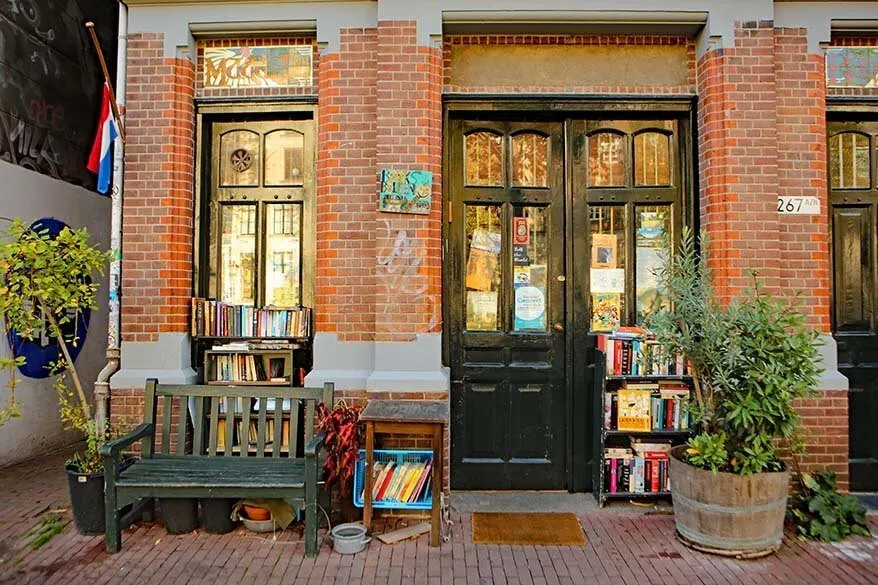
(727,514)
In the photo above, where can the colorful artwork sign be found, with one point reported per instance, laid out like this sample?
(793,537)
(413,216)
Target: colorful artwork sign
(852,67)
(256,66)
(406,191)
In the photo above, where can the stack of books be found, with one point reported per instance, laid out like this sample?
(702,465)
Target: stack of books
(408,482)
(636,471)
(218,319)
(646,406)
(632,351)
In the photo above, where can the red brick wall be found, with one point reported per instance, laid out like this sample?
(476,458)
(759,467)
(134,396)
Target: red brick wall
(409,136)
(618,40)
(802,171)
(346,188)
(824,420)
(256,91)
(159,176)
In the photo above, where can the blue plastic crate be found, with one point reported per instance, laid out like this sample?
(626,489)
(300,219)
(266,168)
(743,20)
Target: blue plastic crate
(399,456)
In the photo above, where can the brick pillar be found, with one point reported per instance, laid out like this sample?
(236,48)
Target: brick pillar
(346,196)
(738,159)
(157,219)
(409,136)
(805,239)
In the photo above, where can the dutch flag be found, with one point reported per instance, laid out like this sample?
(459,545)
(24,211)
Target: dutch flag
(100,160)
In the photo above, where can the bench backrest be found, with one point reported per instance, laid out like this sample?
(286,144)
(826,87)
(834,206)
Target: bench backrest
(252,421)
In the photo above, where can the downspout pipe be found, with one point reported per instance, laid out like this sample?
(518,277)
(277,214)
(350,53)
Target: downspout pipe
(114,358)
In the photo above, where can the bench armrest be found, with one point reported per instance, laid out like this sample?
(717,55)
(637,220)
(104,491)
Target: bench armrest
(315,444)
(113,448)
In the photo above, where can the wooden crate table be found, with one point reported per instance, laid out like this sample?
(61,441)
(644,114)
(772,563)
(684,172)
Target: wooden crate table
(406,417)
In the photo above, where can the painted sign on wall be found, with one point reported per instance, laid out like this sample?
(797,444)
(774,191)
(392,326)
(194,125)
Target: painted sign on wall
(406,191)
(258,66)
(852,67)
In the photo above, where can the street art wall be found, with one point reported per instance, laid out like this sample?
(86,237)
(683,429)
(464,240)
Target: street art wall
(50,87)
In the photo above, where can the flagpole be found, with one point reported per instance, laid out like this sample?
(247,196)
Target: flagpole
(94,39)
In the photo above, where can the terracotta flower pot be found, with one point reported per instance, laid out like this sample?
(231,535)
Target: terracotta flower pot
(256,513)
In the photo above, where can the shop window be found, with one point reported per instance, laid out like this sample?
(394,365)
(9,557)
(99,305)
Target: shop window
(238,253)
(652,228)
(849,161)
(606,160)
(484,244)
(239,159)
(652,159)
(530,253)
(530,156)
(283,247)
(483,159)
(607,275)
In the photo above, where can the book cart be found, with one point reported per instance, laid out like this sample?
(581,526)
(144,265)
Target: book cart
(628,461)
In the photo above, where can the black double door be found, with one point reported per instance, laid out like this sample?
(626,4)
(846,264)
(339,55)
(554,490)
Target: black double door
(524,200)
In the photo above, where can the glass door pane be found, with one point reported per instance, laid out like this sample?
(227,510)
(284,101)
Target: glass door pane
(238,253)
(283,254)
(529,260)
(484,242)
(607,275)
(653,232)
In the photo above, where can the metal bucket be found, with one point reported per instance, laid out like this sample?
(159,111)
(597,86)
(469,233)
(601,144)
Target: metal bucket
(349,539)
(728,514)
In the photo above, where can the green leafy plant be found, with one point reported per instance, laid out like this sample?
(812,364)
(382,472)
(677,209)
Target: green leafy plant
(48,283)
(819,511)
(341,425)
(750,359)
(708,451)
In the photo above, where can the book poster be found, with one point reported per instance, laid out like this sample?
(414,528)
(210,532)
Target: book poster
(481,310)
(406,191)
(530,308)
(607,280)
(604,250)
(634,410)
(482,262)
(606,309)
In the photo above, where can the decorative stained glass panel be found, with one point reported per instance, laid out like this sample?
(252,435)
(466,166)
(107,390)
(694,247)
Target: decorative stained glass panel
(652,160)
(530,156)
(484,159)
(849,161)
(606,160)
(258,66)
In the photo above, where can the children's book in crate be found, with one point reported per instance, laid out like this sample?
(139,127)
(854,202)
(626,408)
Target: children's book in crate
(401,479)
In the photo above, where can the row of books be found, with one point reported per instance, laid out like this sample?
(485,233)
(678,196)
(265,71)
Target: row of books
(407,482)
(246,368)
(253,436)
(219,319)
(647,406)
(627,472)
(636,353)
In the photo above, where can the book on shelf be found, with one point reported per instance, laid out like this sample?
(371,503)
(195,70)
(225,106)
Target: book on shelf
(633,351)
(212,318)
(627,409)
(633,410)
(408,482)
(243,367)
(636,474)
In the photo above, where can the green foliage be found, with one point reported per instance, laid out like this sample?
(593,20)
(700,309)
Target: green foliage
(750,359)
(708,451)
(50,525)
(821,513)
(48,282)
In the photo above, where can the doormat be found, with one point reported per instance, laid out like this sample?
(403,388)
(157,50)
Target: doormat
(525,528)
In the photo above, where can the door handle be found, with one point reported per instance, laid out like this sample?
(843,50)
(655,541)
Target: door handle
(558,327)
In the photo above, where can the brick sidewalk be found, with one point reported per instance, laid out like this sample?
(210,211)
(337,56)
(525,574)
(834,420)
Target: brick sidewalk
(625,546)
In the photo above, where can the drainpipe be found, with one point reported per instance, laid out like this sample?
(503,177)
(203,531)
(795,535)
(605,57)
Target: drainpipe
(102,384)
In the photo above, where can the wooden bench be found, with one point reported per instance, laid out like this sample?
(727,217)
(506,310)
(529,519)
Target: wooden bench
(216,463)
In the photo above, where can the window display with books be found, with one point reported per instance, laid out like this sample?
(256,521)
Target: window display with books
(641,395)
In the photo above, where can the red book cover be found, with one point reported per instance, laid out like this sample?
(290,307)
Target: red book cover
(387,479)
(654,477)
(602,342)
(647,475)
(617,359)
(626,357)
(669,413)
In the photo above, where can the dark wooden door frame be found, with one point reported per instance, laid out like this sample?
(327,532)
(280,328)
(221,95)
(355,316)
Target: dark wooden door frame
(564,107)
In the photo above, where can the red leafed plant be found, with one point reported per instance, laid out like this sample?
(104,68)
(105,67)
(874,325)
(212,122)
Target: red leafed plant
(342,444)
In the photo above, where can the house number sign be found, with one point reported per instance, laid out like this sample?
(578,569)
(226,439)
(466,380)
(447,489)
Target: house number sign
(798,205)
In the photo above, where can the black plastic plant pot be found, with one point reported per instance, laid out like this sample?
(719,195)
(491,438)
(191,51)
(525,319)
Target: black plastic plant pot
(179,514)
(87,500)
(216,513)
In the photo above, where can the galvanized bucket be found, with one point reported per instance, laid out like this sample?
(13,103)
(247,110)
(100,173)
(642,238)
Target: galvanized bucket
(728,514)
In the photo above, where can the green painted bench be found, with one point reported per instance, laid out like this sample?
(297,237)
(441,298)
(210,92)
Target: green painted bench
(215,463)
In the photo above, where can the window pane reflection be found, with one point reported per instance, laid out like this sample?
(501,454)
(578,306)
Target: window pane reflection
(484,242)
(849,161)
(530,155)
(284,157)
(239,159)
(653,229)
(238,253)
(283,255)
(606,160)
(652,159)
(607,275)
(529,259)
(484,159)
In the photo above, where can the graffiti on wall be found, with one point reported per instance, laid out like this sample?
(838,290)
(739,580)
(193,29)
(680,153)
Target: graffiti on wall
(50,83)
(852,67)
(287,66)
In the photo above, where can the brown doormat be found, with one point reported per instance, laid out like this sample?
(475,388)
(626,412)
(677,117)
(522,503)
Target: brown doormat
(526,528)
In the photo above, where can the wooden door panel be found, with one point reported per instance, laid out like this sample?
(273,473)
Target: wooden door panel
(854,265)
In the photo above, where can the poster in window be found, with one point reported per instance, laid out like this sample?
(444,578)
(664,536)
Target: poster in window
(481,310)
(530,308)
(482,262)
(606,309)
(607,280)
(604,249)
(520,230)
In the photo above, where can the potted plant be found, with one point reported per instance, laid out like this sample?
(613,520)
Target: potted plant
(750,360)
(342,446)
(47,288)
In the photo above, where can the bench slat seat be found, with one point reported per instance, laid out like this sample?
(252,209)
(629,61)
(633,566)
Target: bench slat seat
(217,462)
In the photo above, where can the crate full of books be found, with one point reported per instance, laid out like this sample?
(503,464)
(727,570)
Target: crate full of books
(219,319)
(633,351)
(647,406)
(641,469)
(401,479)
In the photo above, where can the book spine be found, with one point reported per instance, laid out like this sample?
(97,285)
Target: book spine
(608,410)
(613,476)
(654,476)
(625,481)
(614,411)
(617,357)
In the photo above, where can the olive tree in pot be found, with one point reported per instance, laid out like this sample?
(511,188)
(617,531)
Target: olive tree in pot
(750,360)
(48,283)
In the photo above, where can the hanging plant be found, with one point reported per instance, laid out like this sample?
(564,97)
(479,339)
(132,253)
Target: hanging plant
(341,425)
